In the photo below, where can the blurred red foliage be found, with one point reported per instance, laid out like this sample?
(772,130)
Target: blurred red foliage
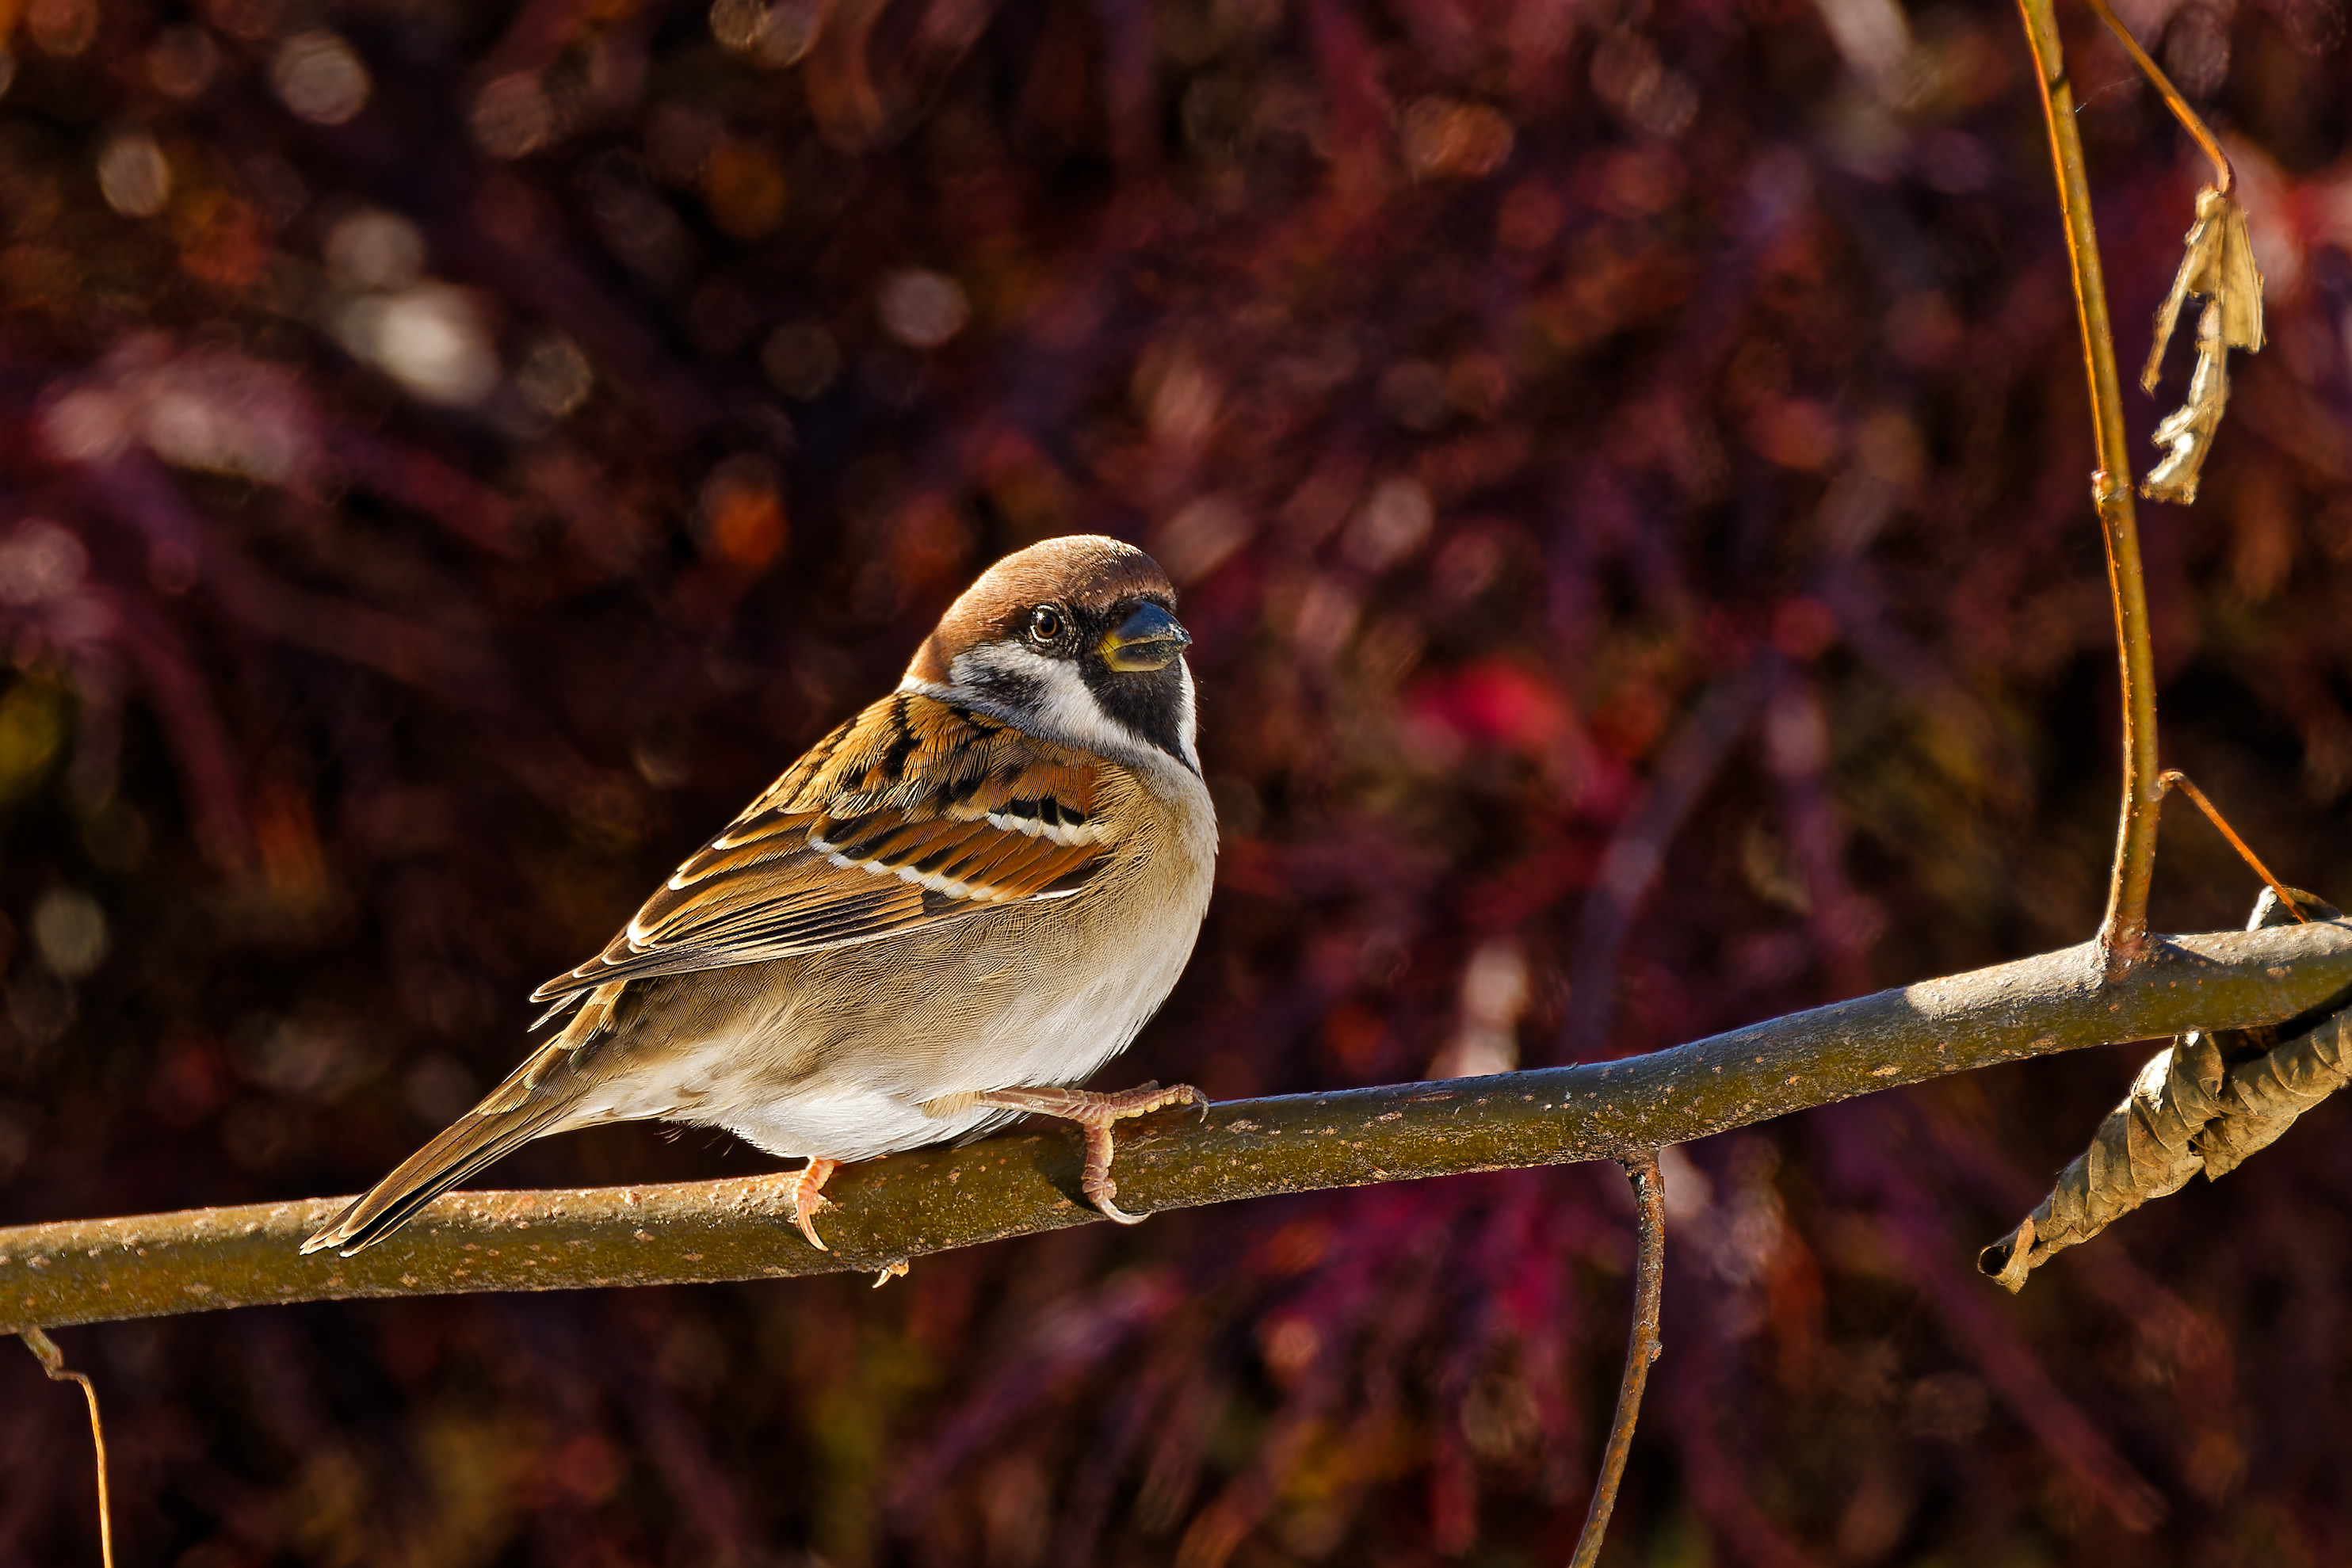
(1627,464)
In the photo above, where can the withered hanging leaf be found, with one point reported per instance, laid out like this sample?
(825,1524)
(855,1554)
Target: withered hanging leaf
(2219,267)
(2205,1103)
(2146,1148)
(2264,1097)
(2188,431)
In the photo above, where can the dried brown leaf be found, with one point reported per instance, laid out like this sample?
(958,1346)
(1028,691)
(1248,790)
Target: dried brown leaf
(2219,267)
(2206,1102)
(2145,1149)
(2264,1097)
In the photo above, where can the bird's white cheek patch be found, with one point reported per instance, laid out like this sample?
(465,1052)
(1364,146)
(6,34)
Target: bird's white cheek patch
(1066,710)
(1188,727)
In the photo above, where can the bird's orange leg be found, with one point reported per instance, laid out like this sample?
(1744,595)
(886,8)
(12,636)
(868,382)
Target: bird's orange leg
(1096,1113)
(808,1196)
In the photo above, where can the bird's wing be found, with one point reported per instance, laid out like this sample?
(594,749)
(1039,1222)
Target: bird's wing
(915,811)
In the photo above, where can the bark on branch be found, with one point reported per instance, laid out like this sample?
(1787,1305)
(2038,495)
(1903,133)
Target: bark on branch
(80,1271)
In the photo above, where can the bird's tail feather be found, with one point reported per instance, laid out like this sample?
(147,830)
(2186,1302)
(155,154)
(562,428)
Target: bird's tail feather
(523,1108)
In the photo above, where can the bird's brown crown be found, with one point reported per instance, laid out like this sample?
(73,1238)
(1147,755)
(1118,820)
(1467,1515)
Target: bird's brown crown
(1080,572)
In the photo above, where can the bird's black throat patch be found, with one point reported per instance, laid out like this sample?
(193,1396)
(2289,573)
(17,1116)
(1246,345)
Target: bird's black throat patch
(1148,704)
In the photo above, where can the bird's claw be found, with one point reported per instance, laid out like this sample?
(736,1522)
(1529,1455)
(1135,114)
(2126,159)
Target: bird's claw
(1096,1115)
(1111,1211)
(808,1198)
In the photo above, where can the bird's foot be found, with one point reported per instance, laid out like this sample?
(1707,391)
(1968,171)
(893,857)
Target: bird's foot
(808,1196)
(1096,1115)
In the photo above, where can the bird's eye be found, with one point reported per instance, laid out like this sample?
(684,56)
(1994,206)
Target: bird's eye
(1046,625)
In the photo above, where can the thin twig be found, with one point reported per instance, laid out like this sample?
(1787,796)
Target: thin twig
(2123,933)
(53,1362)
(1642,1348)
(2226,175)
(2172,778)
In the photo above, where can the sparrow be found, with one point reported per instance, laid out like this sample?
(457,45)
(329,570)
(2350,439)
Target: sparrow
(958,905)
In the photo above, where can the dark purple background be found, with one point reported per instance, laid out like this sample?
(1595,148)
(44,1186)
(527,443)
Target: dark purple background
(1628,466)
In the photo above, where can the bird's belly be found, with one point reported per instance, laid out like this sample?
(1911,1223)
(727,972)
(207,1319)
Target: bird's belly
(847,1123)
(848,1080)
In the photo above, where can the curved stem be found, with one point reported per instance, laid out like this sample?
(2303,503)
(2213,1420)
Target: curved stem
(1642,1348)
(53,1362)
(2225,176)
(2123,933)
(2172,778)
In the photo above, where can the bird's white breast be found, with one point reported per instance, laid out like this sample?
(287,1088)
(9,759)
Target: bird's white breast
(839,1063)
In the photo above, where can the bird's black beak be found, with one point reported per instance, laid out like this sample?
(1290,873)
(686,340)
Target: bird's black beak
(1150,639)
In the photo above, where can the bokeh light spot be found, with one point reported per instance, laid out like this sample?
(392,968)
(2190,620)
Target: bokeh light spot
(432,340)
(318,76)
(1648,95)
(737,23)
(134,176)
(40,561)
(555,376)
(1179,395)
(375,249)
(512,116)
(1495,991)
(1395,522)
(183,61)
(771,36)
(61,27)
(1290,1345)
(745,187)
(1199,539)
(742,510)
(1796,432)
(69,928)
(922,310)
(1439,136)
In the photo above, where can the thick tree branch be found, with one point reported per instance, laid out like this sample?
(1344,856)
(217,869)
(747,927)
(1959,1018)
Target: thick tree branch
(890,1210)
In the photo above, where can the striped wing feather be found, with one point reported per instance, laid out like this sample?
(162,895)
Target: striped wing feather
(915,811)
